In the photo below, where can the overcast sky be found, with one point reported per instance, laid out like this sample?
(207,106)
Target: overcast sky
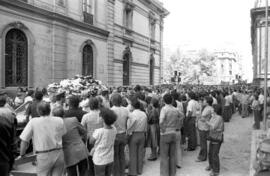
(210,24)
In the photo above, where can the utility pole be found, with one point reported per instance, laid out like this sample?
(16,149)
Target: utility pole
(266,67)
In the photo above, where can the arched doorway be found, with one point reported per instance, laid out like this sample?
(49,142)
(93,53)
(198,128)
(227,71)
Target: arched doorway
(151,70)
(16,58)
(88,61)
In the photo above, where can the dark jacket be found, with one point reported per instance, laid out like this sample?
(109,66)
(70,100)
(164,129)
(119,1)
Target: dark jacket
(8,124)
(76,112)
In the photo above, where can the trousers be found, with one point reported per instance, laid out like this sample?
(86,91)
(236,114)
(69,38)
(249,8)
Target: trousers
(192,135)
(213,156)
(256,119)
(167,154)
(119,155)
(203,144)
(179,149)
(51,163)
(136,153)
(82,169)
(104,170)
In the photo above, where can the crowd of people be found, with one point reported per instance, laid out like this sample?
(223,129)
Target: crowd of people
(107,133)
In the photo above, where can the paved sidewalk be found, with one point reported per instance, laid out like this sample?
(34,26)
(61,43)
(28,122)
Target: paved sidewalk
(234,154)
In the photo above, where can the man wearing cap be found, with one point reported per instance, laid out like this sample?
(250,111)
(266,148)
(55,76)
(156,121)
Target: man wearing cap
(8,136)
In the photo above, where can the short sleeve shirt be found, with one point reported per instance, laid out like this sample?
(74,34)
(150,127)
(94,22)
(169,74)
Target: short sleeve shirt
(122,117)
(104,146)
(46,132)
(192,107)
(92,121)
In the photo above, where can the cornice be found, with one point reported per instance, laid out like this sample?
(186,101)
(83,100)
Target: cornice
(155,7)
(18,5)
(134,64)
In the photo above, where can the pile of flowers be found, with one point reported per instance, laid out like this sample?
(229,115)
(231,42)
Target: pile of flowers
(77,86)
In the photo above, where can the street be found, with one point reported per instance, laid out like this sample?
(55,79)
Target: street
(234,154)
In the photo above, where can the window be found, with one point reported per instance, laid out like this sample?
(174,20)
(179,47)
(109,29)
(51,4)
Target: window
(61,3)
(128,16)
(88,11)
(153,30)
(87,6)
(16,66)
(88,61)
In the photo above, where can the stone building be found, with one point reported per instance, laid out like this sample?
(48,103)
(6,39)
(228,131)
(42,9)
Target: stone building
(228,67)
(258,41)
(117,41)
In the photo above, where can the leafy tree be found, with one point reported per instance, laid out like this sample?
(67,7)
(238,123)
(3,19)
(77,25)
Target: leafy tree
(193,68)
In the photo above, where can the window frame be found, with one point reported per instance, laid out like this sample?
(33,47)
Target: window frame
(88,6)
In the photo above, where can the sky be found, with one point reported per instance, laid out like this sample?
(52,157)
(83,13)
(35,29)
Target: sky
(211,25)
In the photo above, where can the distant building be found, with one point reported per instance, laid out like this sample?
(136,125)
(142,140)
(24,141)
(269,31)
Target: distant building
(228,67)
(117,41)
(258,41)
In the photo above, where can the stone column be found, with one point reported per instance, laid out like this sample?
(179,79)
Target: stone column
(161,50)
(110,42)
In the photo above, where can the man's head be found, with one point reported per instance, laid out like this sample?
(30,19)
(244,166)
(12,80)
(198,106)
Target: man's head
(58,112)
(38,95)
(167,98)
(108,116)
(43,108)
(74,101)
(116,99)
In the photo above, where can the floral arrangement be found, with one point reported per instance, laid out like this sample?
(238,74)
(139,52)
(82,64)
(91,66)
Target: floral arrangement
(77,86)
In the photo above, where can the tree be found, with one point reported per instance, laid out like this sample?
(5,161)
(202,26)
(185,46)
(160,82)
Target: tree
(194,68)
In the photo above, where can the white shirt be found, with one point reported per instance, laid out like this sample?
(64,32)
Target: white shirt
(137,121)
(92,121)
(214,101)
(261,99)
(84,104)
(46,132)
(122,117)
(104,146)
(28,99)
(193,107)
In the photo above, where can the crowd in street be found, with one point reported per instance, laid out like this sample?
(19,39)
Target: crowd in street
(107,133)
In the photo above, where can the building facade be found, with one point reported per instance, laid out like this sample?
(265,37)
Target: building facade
(228,67)
(258,28)
(117,41)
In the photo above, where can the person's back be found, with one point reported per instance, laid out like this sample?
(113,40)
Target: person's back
(75,112)
(47,131)
(7,139)
(171,118)
(122,117)
(92,121)
(74,148)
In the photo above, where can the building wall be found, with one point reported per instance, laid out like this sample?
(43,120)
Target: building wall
(57,42)
(140,44)
(258,43)
(230,69)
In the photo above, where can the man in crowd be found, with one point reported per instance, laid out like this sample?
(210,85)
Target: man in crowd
(7,137)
